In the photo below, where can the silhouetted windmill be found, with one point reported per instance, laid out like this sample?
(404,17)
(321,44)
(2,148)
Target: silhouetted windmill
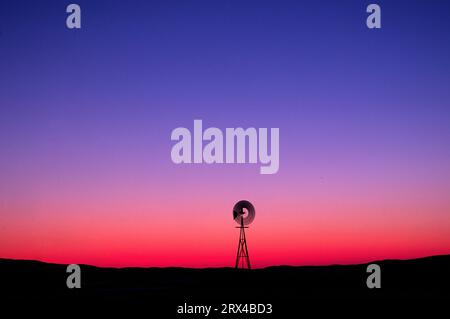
(243,214)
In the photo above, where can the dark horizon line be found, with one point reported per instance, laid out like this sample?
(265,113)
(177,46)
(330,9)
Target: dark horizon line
(230,267)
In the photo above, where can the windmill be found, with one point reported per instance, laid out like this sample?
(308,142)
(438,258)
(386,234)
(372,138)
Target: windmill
(243,214)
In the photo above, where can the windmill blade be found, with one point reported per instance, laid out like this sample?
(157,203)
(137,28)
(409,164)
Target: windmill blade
(238,212)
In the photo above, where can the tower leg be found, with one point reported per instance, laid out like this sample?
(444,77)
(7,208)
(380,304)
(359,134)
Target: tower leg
(242,258)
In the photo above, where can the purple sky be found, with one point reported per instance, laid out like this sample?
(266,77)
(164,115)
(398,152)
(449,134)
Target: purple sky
(86,117)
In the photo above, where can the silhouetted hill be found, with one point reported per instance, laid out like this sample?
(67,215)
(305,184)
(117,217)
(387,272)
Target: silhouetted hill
(163,289)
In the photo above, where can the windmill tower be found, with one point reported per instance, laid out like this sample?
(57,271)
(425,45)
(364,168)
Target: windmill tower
(243,214)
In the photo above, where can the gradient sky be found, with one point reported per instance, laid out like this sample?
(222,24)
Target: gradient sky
(86,117)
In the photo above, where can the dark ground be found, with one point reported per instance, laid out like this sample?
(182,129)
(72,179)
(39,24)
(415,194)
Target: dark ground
(289,289)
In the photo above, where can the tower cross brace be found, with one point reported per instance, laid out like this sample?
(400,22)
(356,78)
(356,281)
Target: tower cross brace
(242,258)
